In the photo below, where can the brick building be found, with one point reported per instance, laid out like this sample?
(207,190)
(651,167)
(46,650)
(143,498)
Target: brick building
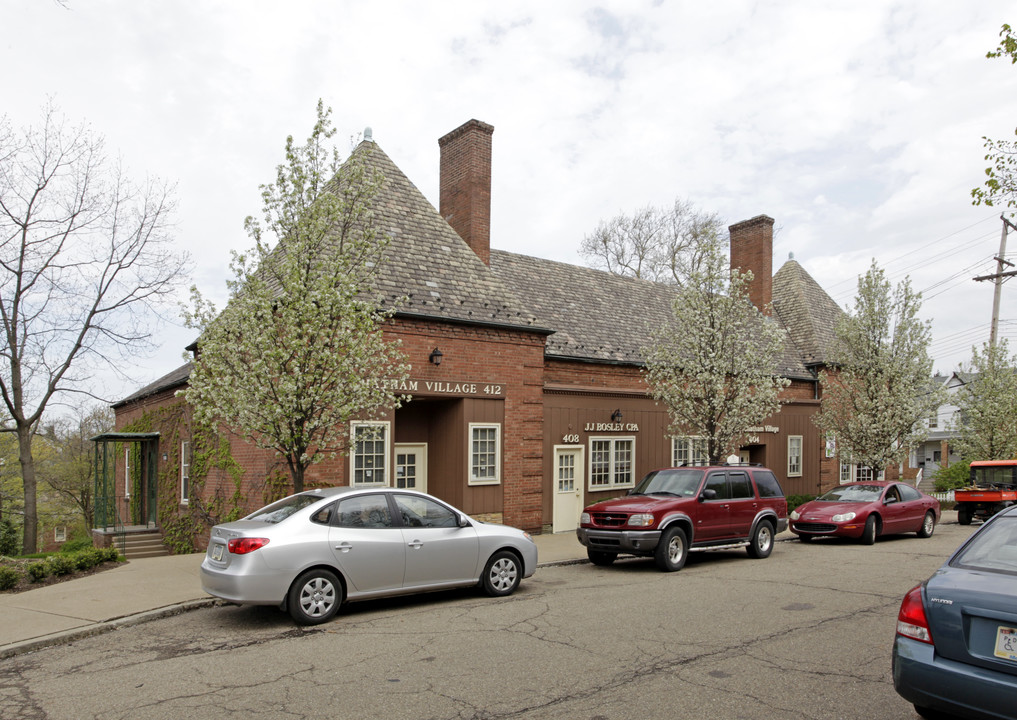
(528,398)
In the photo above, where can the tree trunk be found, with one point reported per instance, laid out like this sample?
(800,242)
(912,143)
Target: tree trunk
(30,539)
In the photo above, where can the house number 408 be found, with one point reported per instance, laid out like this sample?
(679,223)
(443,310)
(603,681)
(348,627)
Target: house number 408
(570,439)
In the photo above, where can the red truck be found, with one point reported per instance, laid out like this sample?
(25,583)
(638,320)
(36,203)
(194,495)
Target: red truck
(993,487)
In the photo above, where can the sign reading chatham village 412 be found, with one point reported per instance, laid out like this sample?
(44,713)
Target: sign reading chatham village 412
(447,387)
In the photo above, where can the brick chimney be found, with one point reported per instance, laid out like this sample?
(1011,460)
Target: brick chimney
(752,249)
(465,184)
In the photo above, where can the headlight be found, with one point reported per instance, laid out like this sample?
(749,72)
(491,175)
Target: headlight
(641,520)
(794,515)
(584,519)
(843,517)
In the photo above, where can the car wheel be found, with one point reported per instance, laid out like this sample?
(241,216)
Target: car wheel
(601,558)
(672,550)
(502,574)
(761,543)
(869,533)
(964,516)
(315,597)
(928,525)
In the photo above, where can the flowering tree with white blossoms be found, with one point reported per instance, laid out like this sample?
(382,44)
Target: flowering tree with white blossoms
(298,352)
(986,421)
(878,397)
(714,366)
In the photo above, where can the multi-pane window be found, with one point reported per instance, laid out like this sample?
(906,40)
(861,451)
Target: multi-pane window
(794,456)
(185,472)
(370,453)
(611,463)
(688,451)
(485,454)
(850,472)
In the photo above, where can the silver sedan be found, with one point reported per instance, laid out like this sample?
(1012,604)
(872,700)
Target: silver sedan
(310,552)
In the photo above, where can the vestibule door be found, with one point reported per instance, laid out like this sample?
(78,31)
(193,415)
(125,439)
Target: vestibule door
(411,466)
(567,488)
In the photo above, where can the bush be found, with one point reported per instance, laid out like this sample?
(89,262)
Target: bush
(75,545)
(950,478)
(794,501)
(9,577)
(9,544)
(38,571)
(88,559)
(60,565)
(110,554)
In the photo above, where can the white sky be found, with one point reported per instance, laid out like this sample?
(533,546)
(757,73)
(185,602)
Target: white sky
(857,125)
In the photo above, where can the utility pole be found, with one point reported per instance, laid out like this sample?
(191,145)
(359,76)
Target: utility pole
(998,277)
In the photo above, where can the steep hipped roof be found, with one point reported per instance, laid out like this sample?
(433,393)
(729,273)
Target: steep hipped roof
(808,313)
(598,316)
(429,263)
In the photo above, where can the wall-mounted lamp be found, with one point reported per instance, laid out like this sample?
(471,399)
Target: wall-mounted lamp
(435,357)
(616,416)
(165,457)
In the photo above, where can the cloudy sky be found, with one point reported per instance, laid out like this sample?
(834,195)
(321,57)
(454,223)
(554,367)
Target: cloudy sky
(856,125)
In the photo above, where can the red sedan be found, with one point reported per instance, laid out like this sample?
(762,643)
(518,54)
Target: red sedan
(866,510)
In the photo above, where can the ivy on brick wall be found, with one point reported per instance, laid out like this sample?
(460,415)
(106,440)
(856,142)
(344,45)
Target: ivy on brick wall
(216,490)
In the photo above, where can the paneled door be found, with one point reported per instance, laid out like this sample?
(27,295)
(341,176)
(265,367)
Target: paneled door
(411,466)
(567,488)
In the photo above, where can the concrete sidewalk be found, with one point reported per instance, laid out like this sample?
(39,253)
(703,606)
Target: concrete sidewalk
(142,590)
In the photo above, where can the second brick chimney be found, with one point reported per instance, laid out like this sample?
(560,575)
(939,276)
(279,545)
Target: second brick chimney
(465,184)
(752,249)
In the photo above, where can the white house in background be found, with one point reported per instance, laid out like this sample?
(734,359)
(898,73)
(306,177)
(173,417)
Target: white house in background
(935,452)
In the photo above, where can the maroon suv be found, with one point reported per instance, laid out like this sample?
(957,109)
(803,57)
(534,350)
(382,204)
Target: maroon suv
(675,510)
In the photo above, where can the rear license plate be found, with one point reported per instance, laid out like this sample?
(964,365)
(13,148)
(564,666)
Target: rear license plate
(217,552)
(1006,643)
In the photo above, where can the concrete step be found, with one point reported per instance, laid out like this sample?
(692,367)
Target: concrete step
(144,544)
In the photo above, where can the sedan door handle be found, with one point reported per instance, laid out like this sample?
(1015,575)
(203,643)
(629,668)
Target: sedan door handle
(344,547)
(415,544)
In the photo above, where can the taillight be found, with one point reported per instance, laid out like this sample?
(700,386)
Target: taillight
(242,546)
(911,621)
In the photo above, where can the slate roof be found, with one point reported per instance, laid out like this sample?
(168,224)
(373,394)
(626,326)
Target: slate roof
(806,311)
(430,264)
(176,378)
(598,316)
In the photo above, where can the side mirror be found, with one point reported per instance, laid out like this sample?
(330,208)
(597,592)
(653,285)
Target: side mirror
(890,501)
(708,494)
(464,521)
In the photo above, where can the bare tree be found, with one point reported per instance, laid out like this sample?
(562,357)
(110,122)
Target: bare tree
(69,473)
(85,256)
(660,244)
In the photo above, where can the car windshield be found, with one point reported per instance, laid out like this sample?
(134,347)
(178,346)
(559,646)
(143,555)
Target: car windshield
(993,548)
(853,493)
(681,481)
(279,511)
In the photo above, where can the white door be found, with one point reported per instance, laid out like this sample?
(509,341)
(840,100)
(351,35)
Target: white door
(743,456)
(411,466)
(567,488)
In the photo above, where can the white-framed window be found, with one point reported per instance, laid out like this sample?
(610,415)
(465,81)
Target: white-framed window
(485,454)
(688,451)
(934,419)
(850,472)
(794,456)
(370,452)
(60,533)
(185,472)
(612,462)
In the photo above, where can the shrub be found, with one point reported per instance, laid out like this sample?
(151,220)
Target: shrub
(76,545)
(60,565)
(89,558)
(9,544)
(37,571)
(794,501)
(110,554)
(9,577)
(952,477)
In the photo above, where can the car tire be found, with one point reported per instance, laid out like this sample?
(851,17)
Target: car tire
(928,525)
(672,550)
(964,515)
(761,542)
(869,533)
(603,559)
(502,574)
(315,597)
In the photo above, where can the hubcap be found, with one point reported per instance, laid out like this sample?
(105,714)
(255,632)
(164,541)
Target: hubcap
(317,597)
(675,549)
(503,574)
(764,538)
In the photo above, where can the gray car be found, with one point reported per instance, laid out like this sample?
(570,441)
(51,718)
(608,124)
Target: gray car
(956,645)
(310,552)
